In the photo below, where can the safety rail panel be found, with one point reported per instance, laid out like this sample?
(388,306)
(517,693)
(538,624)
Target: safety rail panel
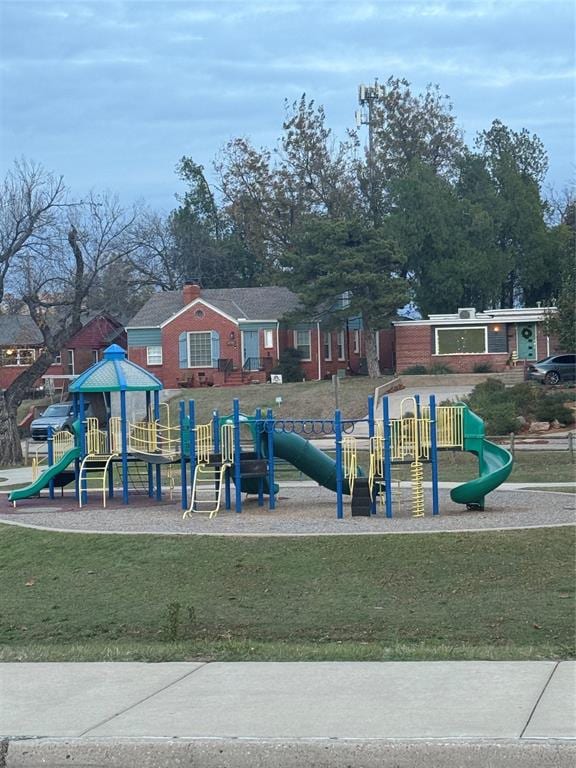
(204,442)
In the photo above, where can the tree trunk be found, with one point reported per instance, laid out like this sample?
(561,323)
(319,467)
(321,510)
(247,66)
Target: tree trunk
(372,354)
(10,446)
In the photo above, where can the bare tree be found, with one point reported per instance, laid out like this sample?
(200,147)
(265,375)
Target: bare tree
(52,252)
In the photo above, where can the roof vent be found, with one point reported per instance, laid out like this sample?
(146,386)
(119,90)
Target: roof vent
(467,313)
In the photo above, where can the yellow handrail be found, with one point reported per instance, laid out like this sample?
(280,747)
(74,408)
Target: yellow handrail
(350,460)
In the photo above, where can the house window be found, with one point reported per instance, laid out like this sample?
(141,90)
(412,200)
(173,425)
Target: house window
(199,349)
(268,339)
(303,344)
(95,356)
(12,356)
(327,345)
(70,363)
(58,359)
(341,345)
(461,341)
(154,355)
(356,341)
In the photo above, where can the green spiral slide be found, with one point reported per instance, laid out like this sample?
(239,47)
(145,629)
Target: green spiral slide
(495,464)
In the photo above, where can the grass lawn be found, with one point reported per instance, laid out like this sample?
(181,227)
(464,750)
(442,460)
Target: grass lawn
(451,596)
(310,399)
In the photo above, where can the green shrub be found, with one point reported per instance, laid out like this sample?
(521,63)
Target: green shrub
(551,411)
(500,420)
(439,369)
(289,365)
(501,407)
(415,370)
(482,368)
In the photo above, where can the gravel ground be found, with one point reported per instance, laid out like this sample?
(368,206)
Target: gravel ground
(305,511)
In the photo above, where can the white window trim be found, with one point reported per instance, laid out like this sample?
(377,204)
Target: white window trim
(156,347)
(304,359)
(17,353)
(197,333)
(71,362)
(327,357)
(463,328)
(268,337)
(341,344)
(356,343)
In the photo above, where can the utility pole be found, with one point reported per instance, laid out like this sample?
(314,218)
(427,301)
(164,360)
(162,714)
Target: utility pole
(367,98)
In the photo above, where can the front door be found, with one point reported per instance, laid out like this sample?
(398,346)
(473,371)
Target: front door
(526,341)
(250,350)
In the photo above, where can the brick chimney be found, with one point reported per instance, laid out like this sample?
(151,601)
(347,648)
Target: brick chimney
(190,291)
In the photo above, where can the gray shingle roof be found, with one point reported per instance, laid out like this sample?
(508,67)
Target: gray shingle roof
(270,303)
(19,330)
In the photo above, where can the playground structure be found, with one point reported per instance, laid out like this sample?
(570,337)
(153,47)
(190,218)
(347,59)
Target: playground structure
(243,451)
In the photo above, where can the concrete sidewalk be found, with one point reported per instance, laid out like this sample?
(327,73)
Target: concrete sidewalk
(255,714)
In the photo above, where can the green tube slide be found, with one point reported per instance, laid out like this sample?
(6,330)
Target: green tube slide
(495,464)
(51,473)
(303,455)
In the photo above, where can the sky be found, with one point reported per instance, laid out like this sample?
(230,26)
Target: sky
(111,94)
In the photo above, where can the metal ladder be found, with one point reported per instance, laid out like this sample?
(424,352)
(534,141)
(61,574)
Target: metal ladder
(206,494)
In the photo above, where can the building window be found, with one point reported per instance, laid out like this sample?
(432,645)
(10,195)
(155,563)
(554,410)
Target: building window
(340,341)
(327,345)
(154,355)
(12,356)
(303,344)
(70,363)
(58,359)
(461,341)
(356,341)
(199,349)
(268,339)
(95,356)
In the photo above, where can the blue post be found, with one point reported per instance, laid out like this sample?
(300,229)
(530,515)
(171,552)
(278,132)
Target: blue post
(83,449)
(270,425)
(149,466)
(434,455)
(77,460)
(124,424)
(183,477)
(339,483)
(51,459)
(387,455)
(216,431)
(258,436)
(192,439)
(158,466)
(370,435)
(237,451)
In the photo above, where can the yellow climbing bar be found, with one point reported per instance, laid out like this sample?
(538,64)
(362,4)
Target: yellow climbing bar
(204,443)
(350,460)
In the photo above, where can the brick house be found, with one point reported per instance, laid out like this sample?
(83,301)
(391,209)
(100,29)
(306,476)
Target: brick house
(498,337)
(21,342)
(224,336)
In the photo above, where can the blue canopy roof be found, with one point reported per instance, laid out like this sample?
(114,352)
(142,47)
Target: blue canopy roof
(114,373)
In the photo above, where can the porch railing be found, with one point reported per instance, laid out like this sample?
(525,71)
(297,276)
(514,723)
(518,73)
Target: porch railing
(253,364)
(225,366)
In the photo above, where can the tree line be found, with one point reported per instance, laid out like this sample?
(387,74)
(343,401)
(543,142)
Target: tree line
(415,217)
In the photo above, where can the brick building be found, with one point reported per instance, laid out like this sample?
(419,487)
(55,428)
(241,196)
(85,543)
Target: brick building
(219,336)
(21,342)
(464,340)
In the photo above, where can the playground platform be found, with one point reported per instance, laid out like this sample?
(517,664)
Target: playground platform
(322,714)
